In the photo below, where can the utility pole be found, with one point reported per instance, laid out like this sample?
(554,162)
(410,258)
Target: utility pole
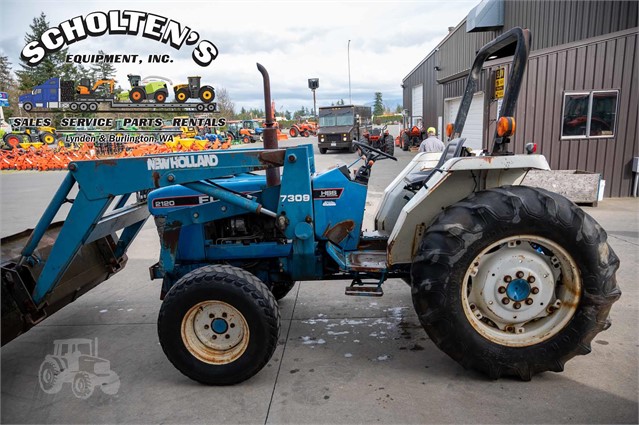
(350,99)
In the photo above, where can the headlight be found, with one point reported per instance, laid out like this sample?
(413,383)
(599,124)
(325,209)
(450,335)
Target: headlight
(344,137)
(321,138)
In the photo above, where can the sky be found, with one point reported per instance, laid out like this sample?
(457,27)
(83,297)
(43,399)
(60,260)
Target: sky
(294,40)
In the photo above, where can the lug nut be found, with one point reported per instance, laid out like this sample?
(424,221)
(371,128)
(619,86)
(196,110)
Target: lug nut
(502,289)
(535,290)
(505,300)
(214,336)
(520,274)
(206,326)
(517,306)
(531,279)
(473,306)
(232,325)
(529,301)
(227,336)
(510,328)
(507,278)
(211,316)
(223,314)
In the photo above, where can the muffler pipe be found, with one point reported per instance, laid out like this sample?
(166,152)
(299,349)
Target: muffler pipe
(270,132)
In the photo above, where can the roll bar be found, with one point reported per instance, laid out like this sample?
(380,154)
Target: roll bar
(521,38)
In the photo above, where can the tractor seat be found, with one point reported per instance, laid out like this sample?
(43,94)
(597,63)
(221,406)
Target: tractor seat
(416,180)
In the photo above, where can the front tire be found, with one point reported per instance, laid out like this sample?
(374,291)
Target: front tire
(137,95)
(293,132)
(219,325)
(323,150)
(405,142)
(514,281)
(206,94)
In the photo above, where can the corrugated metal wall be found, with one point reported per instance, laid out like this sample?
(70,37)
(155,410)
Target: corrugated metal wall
(608,64)
(600,64)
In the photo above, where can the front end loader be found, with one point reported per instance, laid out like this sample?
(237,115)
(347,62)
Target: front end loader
(506,279)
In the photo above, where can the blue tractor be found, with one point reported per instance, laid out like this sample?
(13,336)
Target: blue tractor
(506,279)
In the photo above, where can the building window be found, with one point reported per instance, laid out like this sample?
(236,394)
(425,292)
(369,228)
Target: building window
(590,114)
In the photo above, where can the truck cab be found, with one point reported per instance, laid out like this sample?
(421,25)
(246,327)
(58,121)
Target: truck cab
(339,126)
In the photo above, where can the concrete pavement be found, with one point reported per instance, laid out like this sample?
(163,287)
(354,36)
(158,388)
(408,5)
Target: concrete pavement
(339,359)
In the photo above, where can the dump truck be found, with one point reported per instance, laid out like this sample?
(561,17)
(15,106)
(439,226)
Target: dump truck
(506,279)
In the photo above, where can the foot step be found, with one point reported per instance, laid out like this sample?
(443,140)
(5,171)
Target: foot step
(364,291)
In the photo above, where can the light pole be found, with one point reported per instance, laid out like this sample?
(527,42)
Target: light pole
(313,84)
(350,99)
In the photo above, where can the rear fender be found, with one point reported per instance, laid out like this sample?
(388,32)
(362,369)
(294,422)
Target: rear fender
(458,178)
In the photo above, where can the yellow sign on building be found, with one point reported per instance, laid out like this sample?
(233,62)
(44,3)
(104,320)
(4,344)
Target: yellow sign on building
(500,78)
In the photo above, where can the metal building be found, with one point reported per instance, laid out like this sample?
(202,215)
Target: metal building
(578,101)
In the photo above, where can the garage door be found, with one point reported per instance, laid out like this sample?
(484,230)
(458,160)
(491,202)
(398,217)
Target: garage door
(474,126)
(418,102)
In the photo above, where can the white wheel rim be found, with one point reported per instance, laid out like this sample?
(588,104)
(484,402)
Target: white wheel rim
(516,294)
(215,332)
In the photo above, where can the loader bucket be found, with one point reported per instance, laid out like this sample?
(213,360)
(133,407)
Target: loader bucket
(93,264)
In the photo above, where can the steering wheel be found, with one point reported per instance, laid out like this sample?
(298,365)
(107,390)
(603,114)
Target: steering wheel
(371,149)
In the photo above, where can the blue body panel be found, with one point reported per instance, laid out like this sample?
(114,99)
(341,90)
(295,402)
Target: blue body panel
(338,201)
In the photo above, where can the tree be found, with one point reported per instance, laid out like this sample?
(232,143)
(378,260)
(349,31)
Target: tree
(398,109)
(53,64)
(6,79)
(8,84)
(340,102)
(102,70)
(378,105)
(224,103)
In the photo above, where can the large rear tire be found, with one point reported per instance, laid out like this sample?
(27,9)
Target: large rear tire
(293,132)
(219,325)
(514,281)
(405,141)
(281,289)
(390,145)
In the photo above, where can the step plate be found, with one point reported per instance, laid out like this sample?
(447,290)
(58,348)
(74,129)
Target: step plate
(364,291)
(367,261)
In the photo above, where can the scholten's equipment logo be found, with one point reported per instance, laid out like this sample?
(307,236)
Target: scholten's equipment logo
(120,22)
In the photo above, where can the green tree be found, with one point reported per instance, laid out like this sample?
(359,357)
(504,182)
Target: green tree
(8,84)
(6,78)
(340,102)
(398,109)
(102,70)
(378,105)
(53,64)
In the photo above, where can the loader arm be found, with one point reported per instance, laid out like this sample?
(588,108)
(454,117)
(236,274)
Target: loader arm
(88,235)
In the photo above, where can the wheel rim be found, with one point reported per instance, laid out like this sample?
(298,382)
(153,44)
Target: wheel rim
(160,98)
(215,332)
(521,290)
(207,95)
(181,97)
